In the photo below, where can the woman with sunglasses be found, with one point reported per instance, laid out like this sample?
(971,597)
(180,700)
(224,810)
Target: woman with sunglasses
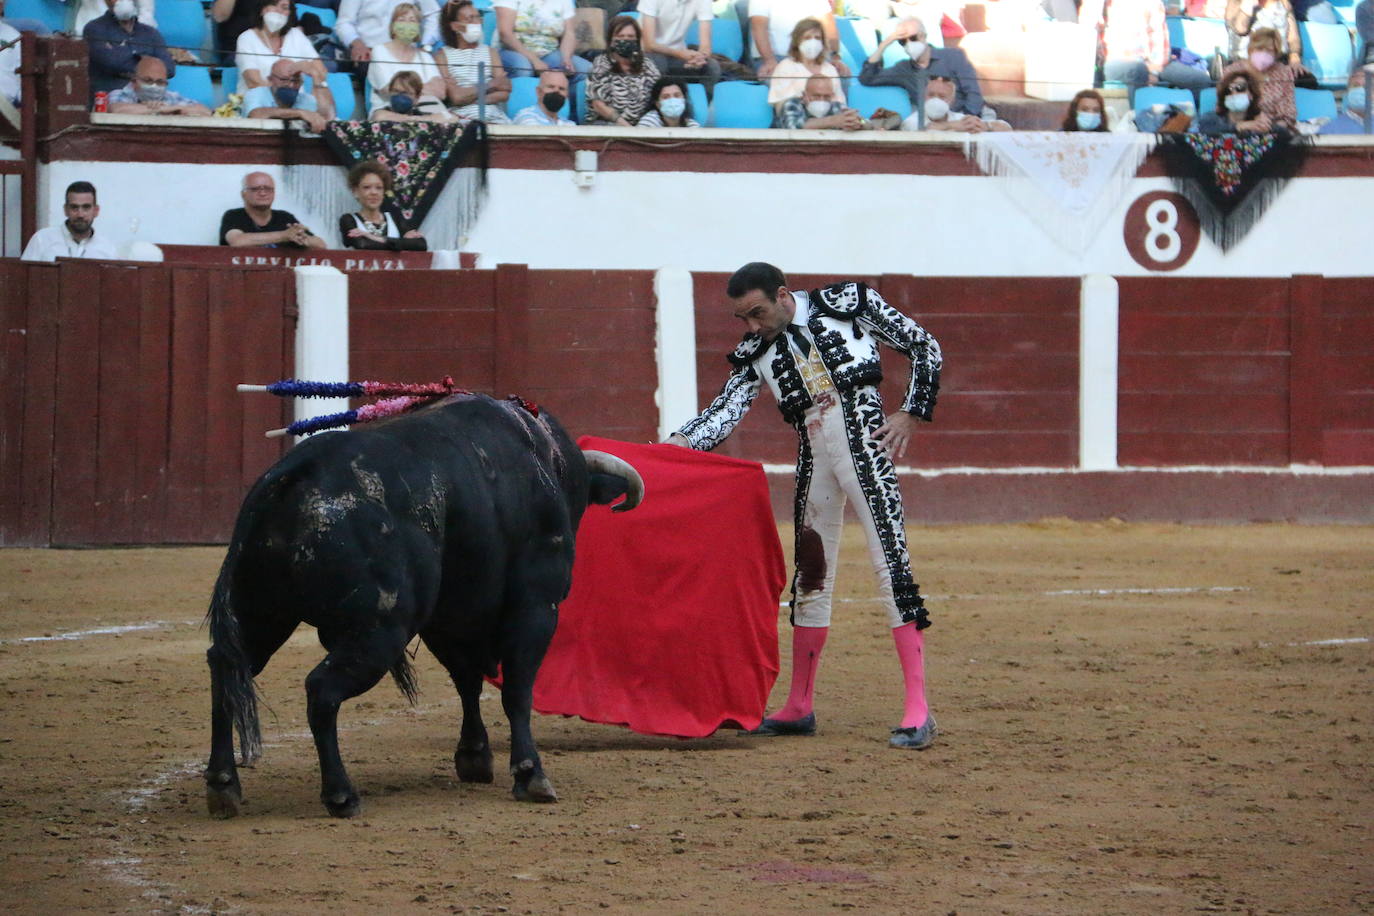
(1238,104)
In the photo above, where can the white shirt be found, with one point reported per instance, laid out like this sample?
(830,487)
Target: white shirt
(253,54)
(9,62)
(385,66)
(536,116)
(783,16)
(672,19)
(56,242)
(369,21)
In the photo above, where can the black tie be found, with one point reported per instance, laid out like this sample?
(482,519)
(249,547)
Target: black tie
(799,339)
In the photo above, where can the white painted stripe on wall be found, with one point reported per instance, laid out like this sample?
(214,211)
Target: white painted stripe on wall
(1098,339)
(321,335)
(676,348)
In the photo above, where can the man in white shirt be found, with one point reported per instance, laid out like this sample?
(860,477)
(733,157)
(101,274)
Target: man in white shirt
(665,24)
(75,238)
(364,24)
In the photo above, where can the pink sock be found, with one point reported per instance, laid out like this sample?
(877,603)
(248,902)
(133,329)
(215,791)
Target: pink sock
(807,643)
(911,651)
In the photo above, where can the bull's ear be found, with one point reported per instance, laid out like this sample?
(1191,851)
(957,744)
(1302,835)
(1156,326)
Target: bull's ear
(604,489)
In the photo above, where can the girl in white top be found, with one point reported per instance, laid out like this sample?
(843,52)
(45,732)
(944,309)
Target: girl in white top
(461,27)
(272,38)
(402,52)
(805,59)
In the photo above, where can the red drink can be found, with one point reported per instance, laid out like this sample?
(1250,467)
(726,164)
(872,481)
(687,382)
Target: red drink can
(101,101)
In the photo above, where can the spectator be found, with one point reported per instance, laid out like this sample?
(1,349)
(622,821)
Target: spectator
(87,10)
(461,25)
(1087,112)
(282,98)
(923,64)
(1238,104)
(275,36)
(1277,101)
(364,24)
(1364,27)
(551,93)
(1133,46)
(805,59)
(9,59)
(618,88)
(1244,17)
(256,224)
(147,93)
(671,106)
(232,18)
(771,23)
(941,95)
(818,109)
(406,100)
(536,35)
(402,53)
(376,225)
(1351,121)
(116,41)
(665,24)
(75,238)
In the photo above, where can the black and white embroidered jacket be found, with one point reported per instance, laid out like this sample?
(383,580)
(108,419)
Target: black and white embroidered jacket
(847,321)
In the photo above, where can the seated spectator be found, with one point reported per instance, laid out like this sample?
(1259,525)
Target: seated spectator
(1086,112)
(1133,46)
(1265,52)
(406,100)
(1351,120)
(941,95)
(87,10)
(75,238)
(461,25)
(671,106)
(771,23)
(275,36)
(535,35)
(1238,104)
(923,64)
(256,224)
(376,225)
(618,88)
(282,98)
(116,41)
(9,59)
(805,59)
(550,94)
(402,52)
(665,24)
(147,93)
(818,109)
(364,24)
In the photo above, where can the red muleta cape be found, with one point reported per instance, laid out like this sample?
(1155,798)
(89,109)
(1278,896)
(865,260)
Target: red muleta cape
(671,627)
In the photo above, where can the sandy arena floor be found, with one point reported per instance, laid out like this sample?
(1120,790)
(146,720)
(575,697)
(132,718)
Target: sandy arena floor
(1135,719)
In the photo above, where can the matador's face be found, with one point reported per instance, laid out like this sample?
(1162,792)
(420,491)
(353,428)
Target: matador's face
(765,316)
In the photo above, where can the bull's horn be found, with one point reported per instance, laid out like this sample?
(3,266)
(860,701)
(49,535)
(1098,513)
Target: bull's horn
(606,463)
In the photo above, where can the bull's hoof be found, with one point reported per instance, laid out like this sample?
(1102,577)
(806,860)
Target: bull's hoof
(343,804)
(474,764)
(531,785)
(223,796)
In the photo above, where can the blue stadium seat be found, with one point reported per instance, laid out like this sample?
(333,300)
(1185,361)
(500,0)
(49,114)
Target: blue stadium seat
(1314,103)
(183,24)
(579,102)
(228,79)
(866,99)
(1201,36)
(858,35)
(49,12)
(701,108)
(739,104)
(194,83)
(327,16)
(345,100)
(488,26)
(1161,95)
(522,96)
(1207,99)
(726,39)
(1327,51)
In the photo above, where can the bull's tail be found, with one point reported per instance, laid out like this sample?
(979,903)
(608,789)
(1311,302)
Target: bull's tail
(403,673)
(231,671)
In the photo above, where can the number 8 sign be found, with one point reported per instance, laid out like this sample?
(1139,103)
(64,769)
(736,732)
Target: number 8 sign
(1161,230)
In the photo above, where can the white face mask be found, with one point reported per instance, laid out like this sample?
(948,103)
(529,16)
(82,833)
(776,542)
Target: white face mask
(673,107)
(811,48)
(273,21)
(472,33)
(1238,102)
(818,108)
(125,10)
(937,109)
(915,49)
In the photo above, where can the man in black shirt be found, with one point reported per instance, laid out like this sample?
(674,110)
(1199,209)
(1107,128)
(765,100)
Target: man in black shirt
(256,224)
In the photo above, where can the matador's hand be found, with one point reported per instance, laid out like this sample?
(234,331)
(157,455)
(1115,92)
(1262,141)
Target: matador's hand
(896,433)
(677,439)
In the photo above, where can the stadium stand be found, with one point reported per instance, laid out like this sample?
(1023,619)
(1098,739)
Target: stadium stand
(1314,103)
(1328,52)
(50,13)
(867,99)
(183,25)
(740,104)
(194,83)
(696,94)
(345,99)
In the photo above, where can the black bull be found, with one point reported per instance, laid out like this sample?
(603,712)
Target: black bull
(455,523)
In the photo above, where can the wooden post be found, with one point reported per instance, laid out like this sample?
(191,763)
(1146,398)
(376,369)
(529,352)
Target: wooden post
(1306,370)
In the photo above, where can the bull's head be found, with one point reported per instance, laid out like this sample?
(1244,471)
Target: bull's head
(609,477)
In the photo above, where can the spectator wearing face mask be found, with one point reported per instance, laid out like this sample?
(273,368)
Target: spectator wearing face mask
(147,93)
(671,106)
(1276,100)
(402,52)
(461,25)
(772,22)
(818,109)
(87,10)
(275,36)
(364,24)
(284,97)
(406,100)
(923,64)
(376,225)
(805,59)
(1351,119)
(1087,112)
(1238,104)
(941,114)
(116,41)
(550,94)
(620,81)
